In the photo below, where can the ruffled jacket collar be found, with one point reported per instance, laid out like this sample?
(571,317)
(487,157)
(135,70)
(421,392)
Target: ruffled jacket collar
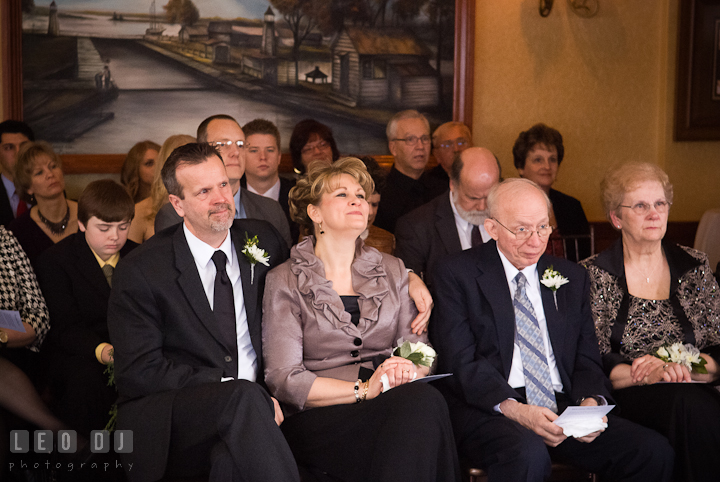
(369,280)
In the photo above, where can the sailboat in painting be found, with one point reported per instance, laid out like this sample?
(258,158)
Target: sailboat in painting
(155,28)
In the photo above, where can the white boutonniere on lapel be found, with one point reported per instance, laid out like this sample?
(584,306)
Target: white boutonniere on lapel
(254,254)
(553,279)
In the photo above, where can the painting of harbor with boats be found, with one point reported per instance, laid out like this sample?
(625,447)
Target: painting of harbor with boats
(97,79)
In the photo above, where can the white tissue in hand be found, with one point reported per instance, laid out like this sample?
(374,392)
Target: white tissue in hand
(582,429)
(386,381)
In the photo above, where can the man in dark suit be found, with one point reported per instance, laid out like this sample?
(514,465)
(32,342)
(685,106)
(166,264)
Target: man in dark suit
(521,353)
(75,276)
(185,321)
(450,222)
(262,161)
(13,134)
(224,133)
(408,185)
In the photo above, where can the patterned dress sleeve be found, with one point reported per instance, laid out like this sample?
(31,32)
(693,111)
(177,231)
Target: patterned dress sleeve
(19,288)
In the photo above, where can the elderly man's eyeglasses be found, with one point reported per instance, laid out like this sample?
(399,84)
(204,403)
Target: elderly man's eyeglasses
(643,208)
(460,143)
(413,140)
(523,233)
(224,144)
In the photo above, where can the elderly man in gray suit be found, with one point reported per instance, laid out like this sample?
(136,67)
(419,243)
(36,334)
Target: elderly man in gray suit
(224,133)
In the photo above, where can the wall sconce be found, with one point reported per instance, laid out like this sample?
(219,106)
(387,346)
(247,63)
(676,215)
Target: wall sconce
(581,8)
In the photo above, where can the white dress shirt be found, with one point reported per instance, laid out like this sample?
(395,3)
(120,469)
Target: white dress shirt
(532,289)
(202,253)
(239,209)
(464,229)
(273,193)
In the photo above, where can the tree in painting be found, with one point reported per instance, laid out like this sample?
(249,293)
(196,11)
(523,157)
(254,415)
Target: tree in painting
(302,16)
(182,11)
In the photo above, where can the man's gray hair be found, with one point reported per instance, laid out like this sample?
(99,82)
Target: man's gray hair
(391,130)
(512,185)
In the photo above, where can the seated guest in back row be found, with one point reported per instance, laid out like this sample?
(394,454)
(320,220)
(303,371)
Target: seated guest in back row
(373,236)
(138,170)
(262,160)
(537,155)
(332,315)
(312,141)
(451,222)
(448,140)
(13,134)
(40,181)
(224,133)
(409,187)
(648,293)
(76,276)
(521,353)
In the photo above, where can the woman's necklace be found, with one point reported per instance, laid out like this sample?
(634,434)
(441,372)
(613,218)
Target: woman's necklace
(56,228)
(647,275)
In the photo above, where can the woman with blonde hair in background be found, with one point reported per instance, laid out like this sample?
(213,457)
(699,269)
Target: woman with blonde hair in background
(138,170)
(143,224)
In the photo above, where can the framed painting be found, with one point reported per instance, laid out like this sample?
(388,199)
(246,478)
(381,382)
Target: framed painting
(93,81)
(697,104)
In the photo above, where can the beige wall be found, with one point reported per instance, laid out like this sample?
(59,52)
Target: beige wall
(606,83)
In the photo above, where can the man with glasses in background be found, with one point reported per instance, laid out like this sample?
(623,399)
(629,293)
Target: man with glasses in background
(448,140)
(408,186)
(224,133)
(521,352)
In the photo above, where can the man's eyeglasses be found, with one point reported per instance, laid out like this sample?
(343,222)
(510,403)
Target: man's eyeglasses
(523,233)
(224,144)
(459,143)
(643,208)
(413,140)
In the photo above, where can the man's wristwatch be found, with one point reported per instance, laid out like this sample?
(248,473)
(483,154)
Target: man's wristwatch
(3,340)
(599,400)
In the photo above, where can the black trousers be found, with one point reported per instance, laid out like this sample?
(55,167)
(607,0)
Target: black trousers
(508,451)
(688,414)
(401,435)
(228,429)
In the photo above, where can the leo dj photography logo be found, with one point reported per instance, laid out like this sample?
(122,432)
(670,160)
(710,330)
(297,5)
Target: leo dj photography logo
(43,442)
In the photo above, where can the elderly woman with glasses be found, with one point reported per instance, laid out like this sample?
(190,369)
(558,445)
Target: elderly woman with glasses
(648,294)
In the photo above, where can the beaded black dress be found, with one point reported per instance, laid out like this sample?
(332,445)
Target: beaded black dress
(629,327)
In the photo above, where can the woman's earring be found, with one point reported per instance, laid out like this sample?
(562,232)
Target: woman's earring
(321,229)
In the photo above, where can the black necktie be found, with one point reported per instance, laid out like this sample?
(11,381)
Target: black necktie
(224,302)
(475,237)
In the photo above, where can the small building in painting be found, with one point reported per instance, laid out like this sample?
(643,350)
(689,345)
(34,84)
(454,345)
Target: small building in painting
(389,67)
(193,33)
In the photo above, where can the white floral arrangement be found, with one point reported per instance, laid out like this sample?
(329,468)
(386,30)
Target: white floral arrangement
(254,254)
(419,353)
(686,355)
(553,279)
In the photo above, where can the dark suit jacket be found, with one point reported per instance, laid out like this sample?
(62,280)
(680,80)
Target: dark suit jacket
(571,220)
(426,235)
(6,212)
(474,328)
(256,207)
(166,337)
(76,293)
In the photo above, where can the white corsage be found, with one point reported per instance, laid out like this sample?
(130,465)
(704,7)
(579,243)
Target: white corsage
(254,255)
(553,279)
(687,355)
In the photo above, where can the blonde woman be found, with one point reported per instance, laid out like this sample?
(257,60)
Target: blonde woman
(143,225)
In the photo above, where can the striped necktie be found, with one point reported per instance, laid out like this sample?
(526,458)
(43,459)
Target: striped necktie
(538,384)
(107,270)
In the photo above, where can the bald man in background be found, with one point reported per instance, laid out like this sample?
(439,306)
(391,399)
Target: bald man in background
(452,221)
